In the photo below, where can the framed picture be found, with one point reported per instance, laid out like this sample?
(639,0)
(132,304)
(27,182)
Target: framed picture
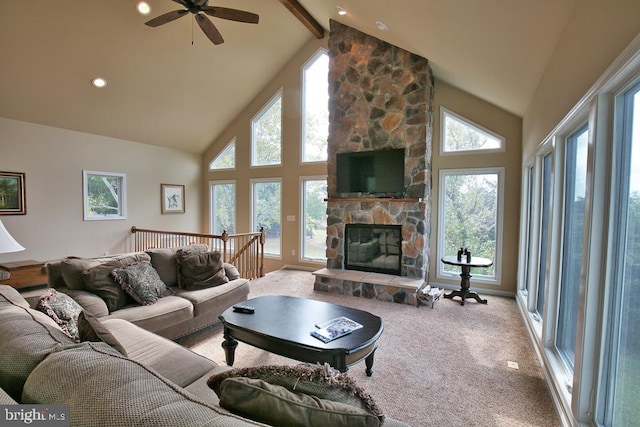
(12,194)
(172,198)
(105,195)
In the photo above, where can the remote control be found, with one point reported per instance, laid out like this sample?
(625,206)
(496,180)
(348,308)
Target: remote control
(244,309)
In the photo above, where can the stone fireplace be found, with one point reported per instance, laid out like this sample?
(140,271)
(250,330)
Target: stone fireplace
(380,97)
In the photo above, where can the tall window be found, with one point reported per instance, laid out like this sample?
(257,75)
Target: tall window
(460,135)
(266,208)
(314,219)
(545,224)
(266,134)
(530,194)
(573,225)
(315,114)
(226,159)
(469,216)
(624,374)
(223,207)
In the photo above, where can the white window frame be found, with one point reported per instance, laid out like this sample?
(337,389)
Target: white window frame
(212,207)
(254,226)
(303,127)
(497,262)
(222,152)
(122,202)
(302,221)
(257,117)
(444,112)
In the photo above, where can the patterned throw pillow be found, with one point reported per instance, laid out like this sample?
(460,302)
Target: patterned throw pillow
(63,309)
(141,282)
(322,382)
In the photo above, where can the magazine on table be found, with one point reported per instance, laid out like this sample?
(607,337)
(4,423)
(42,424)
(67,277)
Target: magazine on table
(335,328)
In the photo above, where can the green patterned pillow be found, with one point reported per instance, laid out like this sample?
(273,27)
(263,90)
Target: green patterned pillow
(276,405)
(141,282)
(322,382)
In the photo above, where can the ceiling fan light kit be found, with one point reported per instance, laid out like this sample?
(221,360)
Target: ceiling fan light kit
(200,8)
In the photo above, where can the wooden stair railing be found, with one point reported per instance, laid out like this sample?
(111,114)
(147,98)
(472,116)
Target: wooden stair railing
(244,250)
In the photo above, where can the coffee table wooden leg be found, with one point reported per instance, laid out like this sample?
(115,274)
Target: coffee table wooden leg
(368,361)
(229,345)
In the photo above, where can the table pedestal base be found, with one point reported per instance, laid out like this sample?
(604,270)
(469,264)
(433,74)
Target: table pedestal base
(464,291)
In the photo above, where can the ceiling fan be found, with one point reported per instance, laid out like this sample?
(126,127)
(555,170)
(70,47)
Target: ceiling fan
(200,7)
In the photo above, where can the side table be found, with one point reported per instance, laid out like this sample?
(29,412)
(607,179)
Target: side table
(464,291)
(24,274)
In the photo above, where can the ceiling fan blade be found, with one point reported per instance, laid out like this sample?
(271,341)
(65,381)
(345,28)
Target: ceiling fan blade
(231,14)
(167,17)
(209,29)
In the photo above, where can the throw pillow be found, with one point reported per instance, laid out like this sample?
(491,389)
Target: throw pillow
(91,329)
(99,280)
(141,282)
(63,309)
(322,382)
(276,405)
(200,270)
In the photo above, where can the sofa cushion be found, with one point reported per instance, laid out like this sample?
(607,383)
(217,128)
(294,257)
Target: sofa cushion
(322,382)
(91,329)
(103,388)
(72,269)
(63,309)
(166,311)
(27,336)
(216,299)
(141,282)
(98,279)
(276,405)
(200,270)
(171,360)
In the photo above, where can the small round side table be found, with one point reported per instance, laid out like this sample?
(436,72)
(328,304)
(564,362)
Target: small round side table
(464,291)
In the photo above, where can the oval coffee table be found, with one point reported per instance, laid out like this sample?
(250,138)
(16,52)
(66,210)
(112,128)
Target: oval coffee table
(283,325)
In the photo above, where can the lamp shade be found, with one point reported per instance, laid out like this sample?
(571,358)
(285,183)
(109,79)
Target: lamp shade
(7,242)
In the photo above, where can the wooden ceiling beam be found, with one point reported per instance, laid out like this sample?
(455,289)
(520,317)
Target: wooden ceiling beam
(303,16)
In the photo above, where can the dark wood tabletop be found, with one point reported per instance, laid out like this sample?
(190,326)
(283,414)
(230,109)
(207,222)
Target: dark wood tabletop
(283,325)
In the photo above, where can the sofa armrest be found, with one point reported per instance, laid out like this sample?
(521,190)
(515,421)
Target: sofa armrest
(90,302)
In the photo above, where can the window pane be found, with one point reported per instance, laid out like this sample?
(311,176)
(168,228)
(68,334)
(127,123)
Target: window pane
(316,110)
(529,227)
(266,135)
(104,194)
(574,209)
(471,217)
(266,213)
(544,231)
(627,366)
(226,159)
(314,193)
(462,135)
(223,207)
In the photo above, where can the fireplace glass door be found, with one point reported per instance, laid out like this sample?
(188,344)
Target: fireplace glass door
(373,248)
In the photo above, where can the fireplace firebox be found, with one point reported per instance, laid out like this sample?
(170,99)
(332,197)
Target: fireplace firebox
(374,248)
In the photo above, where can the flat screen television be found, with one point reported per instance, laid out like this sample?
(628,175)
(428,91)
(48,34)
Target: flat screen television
(378,173)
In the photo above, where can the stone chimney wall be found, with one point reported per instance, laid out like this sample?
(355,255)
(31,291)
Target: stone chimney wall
(380,96)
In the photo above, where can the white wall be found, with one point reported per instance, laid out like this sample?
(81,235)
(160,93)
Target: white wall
(53,160)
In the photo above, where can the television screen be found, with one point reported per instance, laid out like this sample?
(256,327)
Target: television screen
(378,172)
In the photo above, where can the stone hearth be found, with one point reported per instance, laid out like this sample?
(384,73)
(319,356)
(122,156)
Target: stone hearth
(380,97)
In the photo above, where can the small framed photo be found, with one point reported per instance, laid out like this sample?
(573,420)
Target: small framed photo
(172,198)
(13,195)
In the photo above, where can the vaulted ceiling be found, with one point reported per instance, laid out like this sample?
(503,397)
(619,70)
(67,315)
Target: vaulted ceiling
(170,86)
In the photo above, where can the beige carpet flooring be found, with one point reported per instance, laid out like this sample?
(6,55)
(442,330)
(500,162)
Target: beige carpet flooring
(446,366)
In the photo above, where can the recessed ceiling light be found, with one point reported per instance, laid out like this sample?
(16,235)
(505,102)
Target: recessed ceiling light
(143,8)
(341,10)
(99,82)
(381,26)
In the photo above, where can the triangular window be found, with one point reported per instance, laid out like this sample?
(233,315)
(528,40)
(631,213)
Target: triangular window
(226,159)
